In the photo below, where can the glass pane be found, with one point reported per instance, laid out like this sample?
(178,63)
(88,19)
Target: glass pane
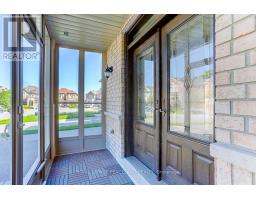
(92,119)
(201,93)
(68,120)
(145,87)
(31,85)
(92,93)
(177,73)
(47,90)
(68,92)
(191,73)
(5,106)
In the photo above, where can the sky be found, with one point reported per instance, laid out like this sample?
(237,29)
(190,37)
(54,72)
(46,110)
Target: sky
(69,69)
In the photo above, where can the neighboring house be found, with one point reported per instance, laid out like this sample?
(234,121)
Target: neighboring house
(67,95)
(31,96)
(93,96)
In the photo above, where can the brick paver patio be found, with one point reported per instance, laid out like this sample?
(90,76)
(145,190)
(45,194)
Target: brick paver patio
(89,168)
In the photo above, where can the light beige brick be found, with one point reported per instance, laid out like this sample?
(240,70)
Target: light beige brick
(244,26)
(222,107)
(231,62)
(223,36)
(223,21)
(244,43)
(229,122)
(252,57)
(241,176)
(230,92)
(222,78)
(244,108)
(245,75)
(222,172)
(251,90)
(252,125)
(222,50)
(244,140)
(222,135)
(239,17)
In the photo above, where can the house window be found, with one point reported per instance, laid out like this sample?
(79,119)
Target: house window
(191,78)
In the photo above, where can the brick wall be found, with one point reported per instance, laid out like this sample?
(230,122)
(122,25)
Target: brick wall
(115,93)
(235,105)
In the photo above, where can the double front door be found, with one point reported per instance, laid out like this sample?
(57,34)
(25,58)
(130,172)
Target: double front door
(173,100)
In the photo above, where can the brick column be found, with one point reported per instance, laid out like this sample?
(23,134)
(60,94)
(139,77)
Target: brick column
(235,105)
(115,93)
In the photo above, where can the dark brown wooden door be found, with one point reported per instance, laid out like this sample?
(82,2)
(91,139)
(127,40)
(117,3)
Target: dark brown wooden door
(187,96)
(146,102)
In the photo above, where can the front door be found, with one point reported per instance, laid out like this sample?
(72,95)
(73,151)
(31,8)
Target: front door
(188,97)
(146,101)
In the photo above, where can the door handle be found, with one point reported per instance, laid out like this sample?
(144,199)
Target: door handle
(21,124)
(163,111)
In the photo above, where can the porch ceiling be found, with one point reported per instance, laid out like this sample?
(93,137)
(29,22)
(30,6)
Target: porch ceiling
(94,32)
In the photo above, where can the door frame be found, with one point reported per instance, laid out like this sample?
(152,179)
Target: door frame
(81,143)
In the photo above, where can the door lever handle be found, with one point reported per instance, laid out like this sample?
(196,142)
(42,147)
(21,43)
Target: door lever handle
(21,124)
(162,111)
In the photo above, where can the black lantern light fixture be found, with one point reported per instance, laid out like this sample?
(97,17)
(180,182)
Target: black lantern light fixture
(108,71)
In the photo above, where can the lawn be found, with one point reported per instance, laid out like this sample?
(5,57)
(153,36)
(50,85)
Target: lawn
(67,115)
(62,128)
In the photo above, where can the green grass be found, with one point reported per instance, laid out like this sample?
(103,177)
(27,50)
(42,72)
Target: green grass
(5,121)
(26,107)
(34,118)
(31,131)
(73,127)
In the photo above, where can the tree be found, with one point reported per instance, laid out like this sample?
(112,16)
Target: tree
(5,101)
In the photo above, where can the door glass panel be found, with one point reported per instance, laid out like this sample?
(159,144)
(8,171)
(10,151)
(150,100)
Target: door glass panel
(201,92)
(92,94)
(145,87)
(68,120)
(191,78)
(177,71)
(68,92)
(31,86)
(5,106)
(47,91)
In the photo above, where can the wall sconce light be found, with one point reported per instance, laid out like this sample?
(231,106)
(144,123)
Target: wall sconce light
(108,71)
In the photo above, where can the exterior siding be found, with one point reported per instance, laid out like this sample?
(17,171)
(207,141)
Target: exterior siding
(235,105)
(115,93)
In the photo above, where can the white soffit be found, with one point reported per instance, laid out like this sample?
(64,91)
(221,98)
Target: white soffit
(88,31)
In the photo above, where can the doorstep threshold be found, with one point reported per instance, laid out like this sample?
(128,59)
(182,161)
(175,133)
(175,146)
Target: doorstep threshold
(138,172)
